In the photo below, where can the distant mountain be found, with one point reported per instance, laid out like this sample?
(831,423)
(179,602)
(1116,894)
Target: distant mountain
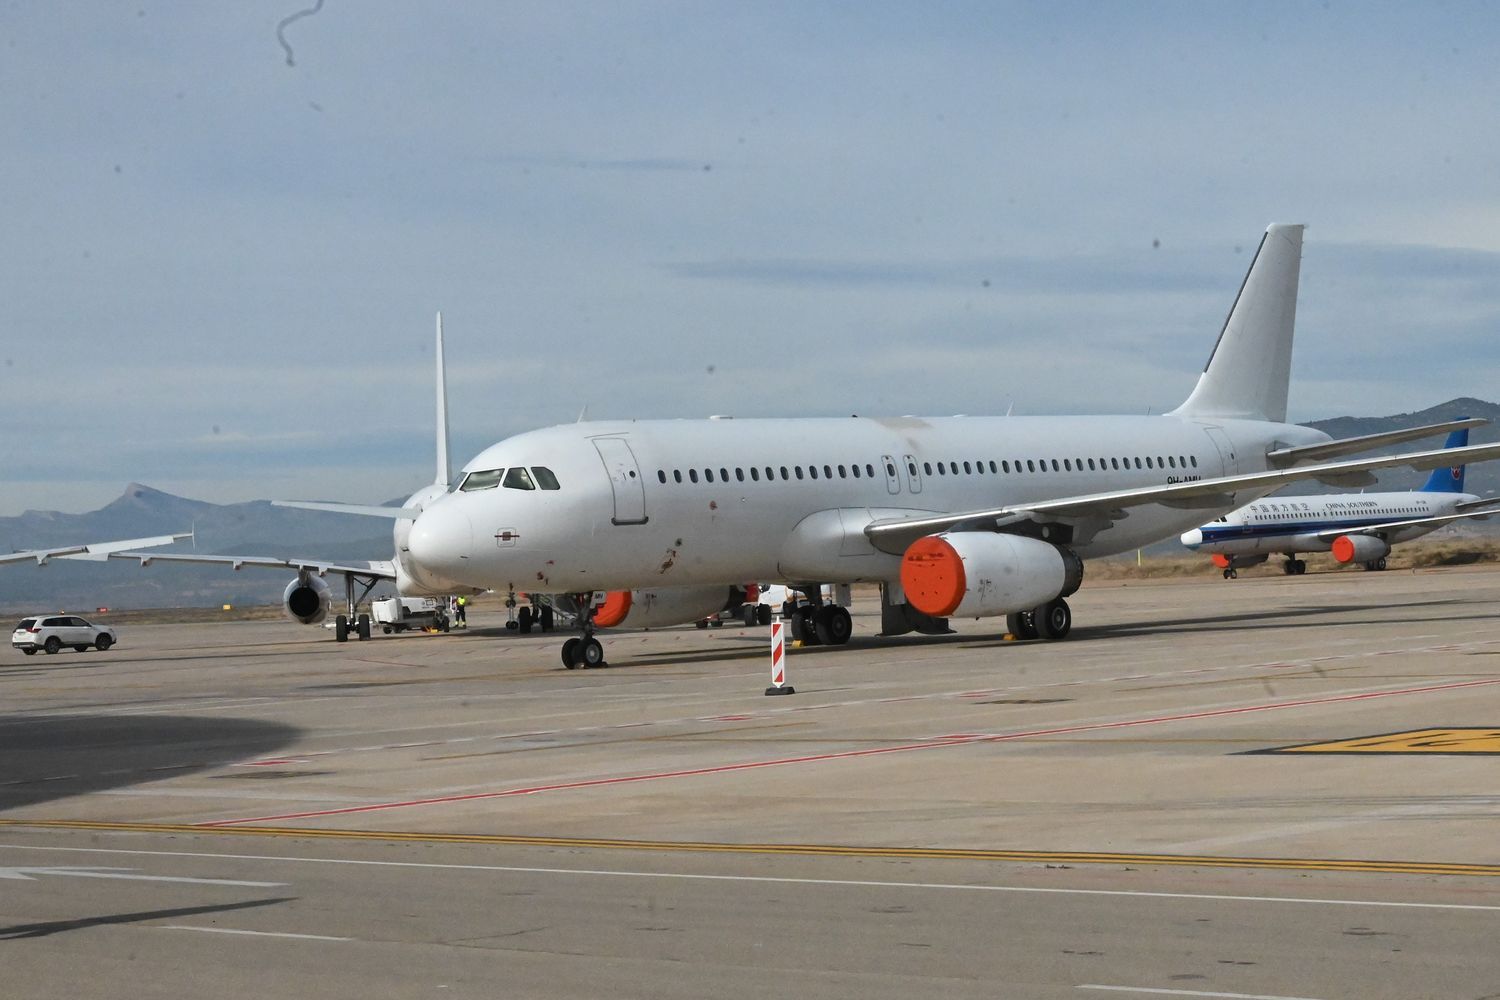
(255,528)
(1483,478)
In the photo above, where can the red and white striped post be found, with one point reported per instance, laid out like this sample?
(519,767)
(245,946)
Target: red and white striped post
(778,659)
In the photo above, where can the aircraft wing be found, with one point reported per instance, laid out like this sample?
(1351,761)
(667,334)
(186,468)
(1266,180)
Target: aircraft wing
(1283,458)
(364,510)
(1371,529)
(1092,512)
(374,569)
(1481,503)
(96,551)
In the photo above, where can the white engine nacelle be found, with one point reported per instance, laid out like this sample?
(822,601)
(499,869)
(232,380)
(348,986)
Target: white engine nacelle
(1360,548)
(306,600)
(664,606)
(977,574)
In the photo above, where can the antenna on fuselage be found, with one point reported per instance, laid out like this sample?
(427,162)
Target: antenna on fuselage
(583,414)
(444,475)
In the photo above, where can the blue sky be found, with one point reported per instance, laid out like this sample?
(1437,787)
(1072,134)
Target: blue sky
(221,269)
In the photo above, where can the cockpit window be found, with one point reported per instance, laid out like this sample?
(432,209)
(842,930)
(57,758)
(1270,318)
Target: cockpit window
(544,477)
(486,480)
(519,479)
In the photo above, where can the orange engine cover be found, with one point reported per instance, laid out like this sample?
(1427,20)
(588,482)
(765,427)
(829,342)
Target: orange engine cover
(614,609)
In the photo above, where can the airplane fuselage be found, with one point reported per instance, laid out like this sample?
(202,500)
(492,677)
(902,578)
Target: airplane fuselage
(683,502)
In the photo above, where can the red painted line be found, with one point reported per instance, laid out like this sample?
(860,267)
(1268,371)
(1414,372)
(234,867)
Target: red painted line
(966,739)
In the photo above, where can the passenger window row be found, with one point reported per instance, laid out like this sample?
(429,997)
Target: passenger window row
(970,468)
(770,473)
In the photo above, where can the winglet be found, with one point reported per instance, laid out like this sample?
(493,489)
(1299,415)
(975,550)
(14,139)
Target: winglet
(1249,370)
(444,474)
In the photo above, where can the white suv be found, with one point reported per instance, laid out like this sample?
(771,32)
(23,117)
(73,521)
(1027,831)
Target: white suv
(50,633)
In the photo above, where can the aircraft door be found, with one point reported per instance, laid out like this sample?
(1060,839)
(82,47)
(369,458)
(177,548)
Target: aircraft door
(892,475)
(913,473)
(624,480)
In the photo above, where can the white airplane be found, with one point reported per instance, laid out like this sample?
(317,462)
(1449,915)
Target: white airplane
(307,599)
(93,551)
(959,516)
(1355,527)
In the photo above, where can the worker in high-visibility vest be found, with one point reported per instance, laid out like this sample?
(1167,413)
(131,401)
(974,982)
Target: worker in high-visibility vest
(460,614)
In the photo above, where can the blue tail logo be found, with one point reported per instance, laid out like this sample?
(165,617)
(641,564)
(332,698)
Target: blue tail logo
(1450,480)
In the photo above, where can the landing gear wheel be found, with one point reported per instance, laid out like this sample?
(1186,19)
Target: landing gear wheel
(1299,567)
(748,614)
(341,629)
(523,621)
(568,651)
(364,627)
(762,614)
(103,642)
(1053,620)
(546,616)
(1021,624)
(1231,574)
(832,625)
(1376,565)
(590,653)
(52,645)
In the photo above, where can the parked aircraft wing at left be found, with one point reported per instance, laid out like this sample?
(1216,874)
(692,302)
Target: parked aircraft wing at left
(379,569)
(96,551)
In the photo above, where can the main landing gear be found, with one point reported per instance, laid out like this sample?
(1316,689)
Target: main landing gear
(818,624)
(1375,565)
(359,624)
(1231,574)
(1293,566)
(1051,621)
(530,616)
(583,651)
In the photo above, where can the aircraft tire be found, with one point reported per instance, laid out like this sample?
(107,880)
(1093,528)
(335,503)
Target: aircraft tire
(590,653)
(1231,574)
(832,625)
(546,616)
(362,627)
(748,614)
(1021,624)
(1299,567)
(1053,620)
(341,629)
(762,614)
(523,618)
(569,649)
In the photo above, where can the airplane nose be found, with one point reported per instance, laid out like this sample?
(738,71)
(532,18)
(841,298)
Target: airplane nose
(1192,539)
(442,538)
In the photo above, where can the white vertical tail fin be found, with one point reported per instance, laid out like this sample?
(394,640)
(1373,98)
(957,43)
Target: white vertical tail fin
(444,473)
(1251,365)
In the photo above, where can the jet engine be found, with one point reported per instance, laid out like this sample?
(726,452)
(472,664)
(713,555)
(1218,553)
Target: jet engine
(1360,548)
(665,606)
(977,574)
(306,600)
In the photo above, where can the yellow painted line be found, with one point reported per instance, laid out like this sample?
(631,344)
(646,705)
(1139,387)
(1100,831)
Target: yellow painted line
(810,850)
(1417,741)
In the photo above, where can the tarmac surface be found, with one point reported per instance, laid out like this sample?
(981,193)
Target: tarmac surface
(1142,810)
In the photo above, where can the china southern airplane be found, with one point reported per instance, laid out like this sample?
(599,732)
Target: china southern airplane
(1355,527)
(966,517)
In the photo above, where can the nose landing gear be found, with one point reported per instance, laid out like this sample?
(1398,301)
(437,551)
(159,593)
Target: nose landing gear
(584,651)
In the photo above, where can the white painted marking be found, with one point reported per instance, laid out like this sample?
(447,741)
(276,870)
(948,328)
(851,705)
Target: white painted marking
(94,871)
(274,934)
(1191,993)
(771,880)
